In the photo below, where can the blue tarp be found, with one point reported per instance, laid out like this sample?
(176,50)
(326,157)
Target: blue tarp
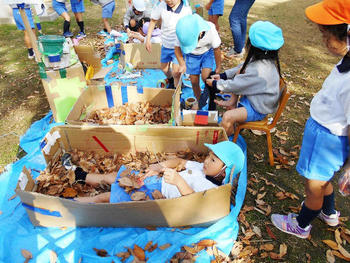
(71,244)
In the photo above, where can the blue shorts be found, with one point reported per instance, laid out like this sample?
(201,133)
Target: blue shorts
(108,9)
(77,6)
(217,8)
(59,7)
(322,153)
(118,194)
(253,115)
(18,18)
(168,55)
(194,63)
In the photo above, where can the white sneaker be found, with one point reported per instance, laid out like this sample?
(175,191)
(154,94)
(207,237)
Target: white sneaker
(233,53)
(31,56)
(331,220)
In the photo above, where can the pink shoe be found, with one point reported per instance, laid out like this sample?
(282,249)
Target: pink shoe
(289,224)
(331,220)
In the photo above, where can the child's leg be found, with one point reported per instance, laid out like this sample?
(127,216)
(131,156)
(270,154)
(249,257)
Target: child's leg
(80,22)
(106,25)
(100,198)
(95,179)
(195,86)
(215,20)
(165,67)
(231,117)
(176,74)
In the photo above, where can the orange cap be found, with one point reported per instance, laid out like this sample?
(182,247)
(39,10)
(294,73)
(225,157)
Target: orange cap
(329,12)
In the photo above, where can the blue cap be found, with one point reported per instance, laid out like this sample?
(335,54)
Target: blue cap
(230,154)
(266,36)
(188,29)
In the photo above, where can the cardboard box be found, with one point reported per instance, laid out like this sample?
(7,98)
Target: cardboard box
(63,87)
(201,208)
(139,57)
(99,97)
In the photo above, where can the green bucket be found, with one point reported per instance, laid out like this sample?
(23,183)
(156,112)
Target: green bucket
(51,44)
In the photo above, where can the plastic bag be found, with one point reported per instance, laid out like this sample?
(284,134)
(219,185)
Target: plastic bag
(344,183)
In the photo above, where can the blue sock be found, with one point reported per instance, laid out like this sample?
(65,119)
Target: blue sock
(306,215)
(328,207)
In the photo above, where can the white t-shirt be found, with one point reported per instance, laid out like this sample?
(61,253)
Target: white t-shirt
(169,21)
(331,105)
(194,177)
(210,40)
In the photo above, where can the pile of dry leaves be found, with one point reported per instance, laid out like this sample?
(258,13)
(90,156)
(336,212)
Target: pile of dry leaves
(55,180)
(131,113)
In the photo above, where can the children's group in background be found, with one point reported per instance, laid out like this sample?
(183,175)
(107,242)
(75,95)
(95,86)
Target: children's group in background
(108,7)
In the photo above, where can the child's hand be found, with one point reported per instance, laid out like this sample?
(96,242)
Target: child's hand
(153,169)
(171,176)
(148,45)
(210,82)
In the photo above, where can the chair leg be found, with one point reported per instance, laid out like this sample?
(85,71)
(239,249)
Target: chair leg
(235,136)
(269,147)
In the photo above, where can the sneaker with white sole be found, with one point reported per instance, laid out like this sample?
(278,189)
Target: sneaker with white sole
(233,53)
(80,35)
(331,220)
(31,56)
(103,33)
(289,224)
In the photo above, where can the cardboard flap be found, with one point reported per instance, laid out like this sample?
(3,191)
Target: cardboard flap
(139,57)
(88,55)
(25,181)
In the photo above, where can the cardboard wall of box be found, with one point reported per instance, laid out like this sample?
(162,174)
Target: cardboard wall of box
(96,97)
(202,208)
(139,57)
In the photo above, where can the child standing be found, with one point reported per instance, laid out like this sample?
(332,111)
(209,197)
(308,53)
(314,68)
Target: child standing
(216,169)
(108,7)
(215,10)
(169,11)
(325,146)
(200,42)
(257,80)
(134,16)
(77,8)
(20,26)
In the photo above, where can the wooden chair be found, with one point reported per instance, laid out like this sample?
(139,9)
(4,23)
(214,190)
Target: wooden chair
(263,125)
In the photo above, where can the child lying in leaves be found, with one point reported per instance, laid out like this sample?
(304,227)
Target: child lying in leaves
(218,165)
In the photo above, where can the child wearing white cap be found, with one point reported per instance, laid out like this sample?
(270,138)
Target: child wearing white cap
(134,17)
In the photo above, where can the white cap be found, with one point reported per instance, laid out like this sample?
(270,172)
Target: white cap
(139,5)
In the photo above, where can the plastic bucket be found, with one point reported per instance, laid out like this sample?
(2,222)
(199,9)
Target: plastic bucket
(51,45)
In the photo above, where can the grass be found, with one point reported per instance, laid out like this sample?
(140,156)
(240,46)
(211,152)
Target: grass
(305,64)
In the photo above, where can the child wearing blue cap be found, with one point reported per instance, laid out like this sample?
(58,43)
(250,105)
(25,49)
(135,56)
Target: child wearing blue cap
(200,42)
(215,10)
(325,148)
(256,80)
(77,8)
(20,25)
(108,7)
(169,12)
(225,158)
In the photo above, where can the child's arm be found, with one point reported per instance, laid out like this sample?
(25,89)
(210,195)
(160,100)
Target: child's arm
(126,20)
(181,60)
(151,26)
(173,177)
(217,55)
(208,5)
(138,36)
(155,169)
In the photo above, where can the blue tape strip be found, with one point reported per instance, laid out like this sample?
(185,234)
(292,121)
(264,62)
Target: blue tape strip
(38,26)
(139,89)
(202,113)
(42,210)
(124,91)
(109,96)
(42,144)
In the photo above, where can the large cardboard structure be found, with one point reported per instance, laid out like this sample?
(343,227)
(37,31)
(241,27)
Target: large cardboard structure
(201,208)
(139,57)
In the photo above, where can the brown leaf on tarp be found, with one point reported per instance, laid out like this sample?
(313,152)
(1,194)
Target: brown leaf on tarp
(331,244)
(12,197)
(165,246)
(139,253)
(26,254)
(206,243)
(123,255)
(138,196)
(101,252)
(148,245)
(330,256)
(339,255)
(126,182)
(69,192)
(53,257)
(0,212)
(267,247)
(125,173)
(156,194)
(152,248)
(269,232)
(192,250)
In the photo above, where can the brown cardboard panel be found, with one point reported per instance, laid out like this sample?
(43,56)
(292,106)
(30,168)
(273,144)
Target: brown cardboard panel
(88,55)
(101,73)
(139,57)
(94,97)
(200,208)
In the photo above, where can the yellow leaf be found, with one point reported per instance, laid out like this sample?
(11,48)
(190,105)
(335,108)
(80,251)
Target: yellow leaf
(343,251)
(331,244)
(337,237)
(283,250)
(267,247)
(339,255)
(330,257)
(26,254)
(191,250)
(206,243)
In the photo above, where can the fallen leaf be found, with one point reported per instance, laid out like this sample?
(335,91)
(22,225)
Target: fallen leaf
(69,193)
(53,257)
(269,232)
(101,252)
(261,196)
(12,197)
(264,255)
(257,231)
(206,243)
(339,255)
(165,246)
(343,251)
(283,250)
(330,256)
(152,248)
(192,250)
(26,254)
(267,247)
(337,236)
(331,244)
(138,196)
(148,245)
(139,253)
(274,255)
(156,194)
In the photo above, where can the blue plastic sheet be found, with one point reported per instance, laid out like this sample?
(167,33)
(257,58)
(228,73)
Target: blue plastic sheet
(73,244)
